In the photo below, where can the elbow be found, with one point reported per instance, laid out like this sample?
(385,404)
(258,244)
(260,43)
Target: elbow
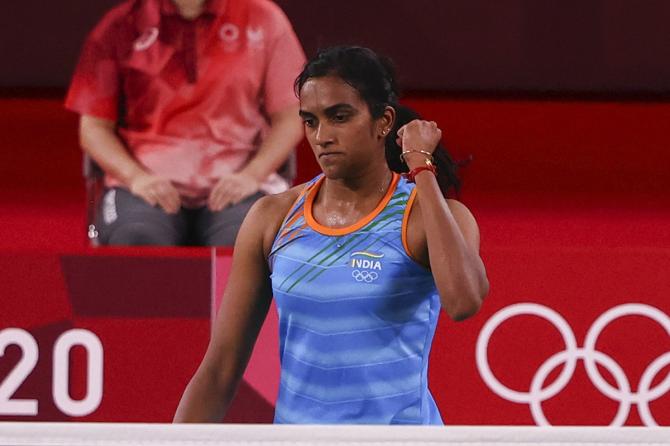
(463,310)
(466,302)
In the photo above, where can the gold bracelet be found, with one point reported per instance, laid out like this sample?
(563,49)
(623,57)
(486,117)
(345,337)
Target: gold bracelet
(423,152)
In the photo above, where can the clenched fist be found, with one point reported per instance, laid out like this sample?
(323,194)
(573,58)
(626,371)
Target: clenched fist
(418,135)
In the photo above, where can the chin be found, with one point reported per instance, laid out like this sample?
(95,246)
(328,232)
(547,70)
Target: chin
(332,171)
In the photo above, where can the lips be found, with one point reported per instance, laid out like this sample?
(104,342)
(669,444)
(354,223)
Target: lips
(329,154)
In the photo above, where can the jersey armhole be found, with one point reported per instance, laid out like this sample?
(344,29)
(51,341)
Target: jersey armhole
(405,224)
(293,208)
(293,211)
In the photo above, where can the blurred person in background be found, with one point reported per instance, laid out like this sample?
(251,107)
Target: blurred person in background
(189,109)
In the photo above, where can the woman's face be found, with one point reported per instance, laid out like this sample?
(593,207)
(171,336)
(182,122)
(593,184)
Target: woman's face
(339,127)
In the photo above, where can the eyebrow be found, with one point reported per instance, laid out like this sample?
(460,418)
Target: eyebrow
(329,111)
(338,107)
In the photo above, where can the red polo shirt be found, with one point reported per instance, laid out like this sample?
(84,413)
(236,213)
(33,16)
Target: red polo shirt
(192,97)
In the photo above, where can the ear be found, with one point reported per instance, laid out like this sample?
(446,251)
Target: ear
(385,122)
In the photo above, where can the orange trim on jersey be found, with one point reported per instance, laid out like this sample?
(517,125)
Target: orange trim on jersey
(296,232)
(318,227)
(285,226)
(405,224)
(293,207)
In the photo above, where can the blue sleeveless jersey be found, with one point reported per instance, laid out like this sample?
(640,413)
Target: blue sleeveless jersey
(356,317)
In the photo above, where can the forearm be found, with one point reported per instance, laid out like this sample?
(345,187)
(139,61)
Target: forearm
(206,398)
(99,140)
(284,135)
(456,266)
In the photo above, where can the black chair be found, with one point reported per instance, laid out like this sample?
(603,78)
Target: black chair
(93,178)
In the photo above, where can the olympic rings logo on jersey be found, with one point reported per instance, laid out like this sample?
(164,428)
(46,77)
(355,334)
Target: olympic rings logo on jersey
(364,276)
(622,392)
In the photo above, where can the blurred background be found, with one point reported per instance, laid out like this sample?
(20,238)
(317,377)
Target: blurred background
(563,108)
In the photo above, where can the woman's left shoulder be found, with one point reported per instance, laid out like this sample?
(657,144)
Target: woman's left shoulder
(459,209)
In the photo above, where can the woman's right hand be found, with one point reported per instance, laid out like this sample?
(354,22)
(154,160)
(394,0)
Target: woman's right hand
(418,135)
(156,190)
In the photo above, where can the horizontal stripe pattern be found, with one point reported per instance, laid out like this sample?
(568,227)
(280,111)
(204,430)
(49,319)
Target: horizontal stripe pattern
(349,315)
(356,320)
(294,409)
(382,345)
(351,385)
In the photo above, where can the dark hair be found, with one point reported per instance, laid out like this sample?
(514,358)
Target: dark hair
(446,167)
(368,73)
(373,77)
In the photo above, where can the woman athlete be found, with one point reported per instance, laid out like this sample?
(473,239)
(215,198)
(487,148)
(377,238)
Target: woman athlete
(360,261)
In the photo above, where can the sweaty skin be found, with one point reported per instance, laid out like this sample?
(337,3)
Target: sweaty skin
(348,143)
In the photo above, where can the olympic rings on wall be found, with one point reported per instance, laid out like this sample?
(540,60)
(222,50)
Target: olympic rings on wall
(591,357)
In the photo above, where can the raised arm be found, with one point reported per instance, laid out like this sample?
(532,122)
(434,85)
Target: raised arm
(243,309)
(443,234)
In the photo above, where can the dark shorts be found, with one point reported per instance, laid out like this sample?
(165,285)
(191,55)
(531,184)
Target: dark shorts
(125,219)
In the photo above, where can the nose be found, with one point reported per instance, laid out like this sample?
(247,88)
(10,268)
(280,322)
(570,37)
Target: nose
(323,136)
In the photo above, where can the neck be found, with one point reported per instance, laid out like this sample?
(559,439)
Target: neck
(371,184)
(189,9)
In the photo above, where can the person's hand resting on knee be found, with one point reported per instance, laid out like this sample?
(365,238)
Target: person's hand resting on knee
(232,189)
(156,190)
